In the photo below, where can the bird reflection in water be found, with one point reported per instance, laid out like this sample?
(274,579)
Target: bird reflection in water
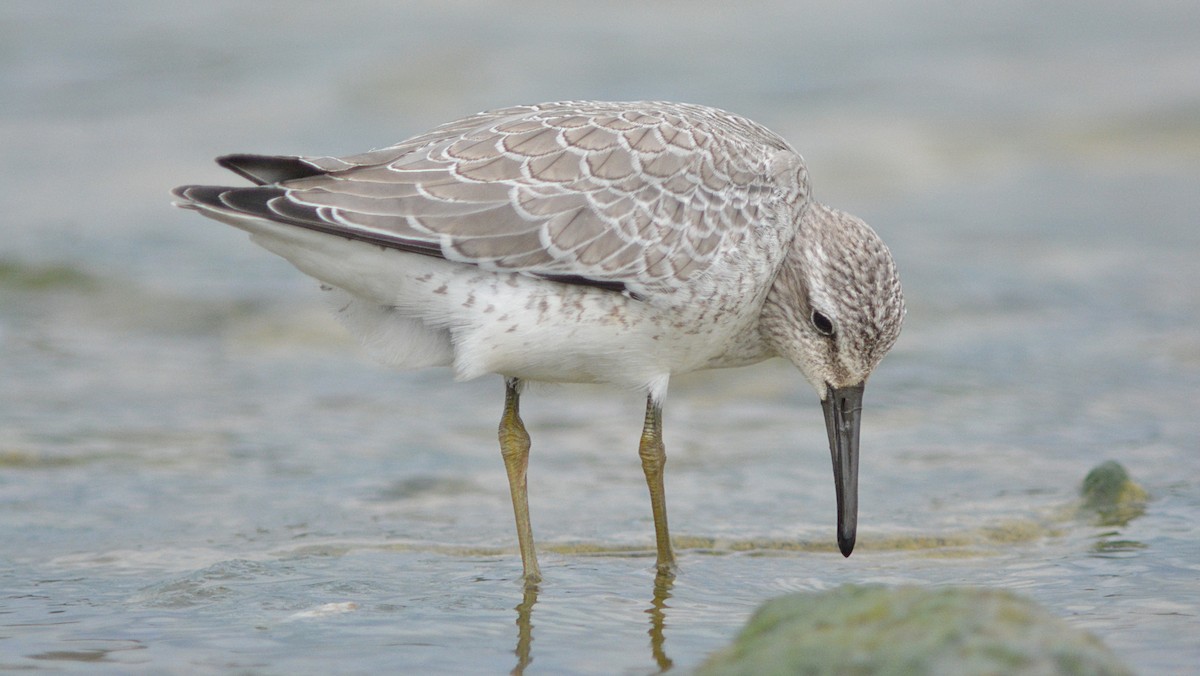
(525,629)
(656,611)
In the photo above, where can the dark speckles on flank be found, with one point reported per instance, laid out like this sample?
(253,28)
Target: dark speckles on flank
(618,316)
(441,290)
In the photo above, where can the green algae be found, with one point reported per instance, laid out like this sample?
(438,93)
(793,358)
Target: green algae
(1110,496)
(875,630)
(22,276)
(909,630)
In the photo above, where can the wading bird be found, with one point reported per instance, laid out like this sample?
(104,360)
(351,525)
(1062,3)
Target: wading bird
(586,242)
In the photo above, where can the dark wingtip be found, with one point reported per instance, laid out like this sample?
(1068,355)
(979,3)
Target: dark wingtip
(846,545)
(265,169)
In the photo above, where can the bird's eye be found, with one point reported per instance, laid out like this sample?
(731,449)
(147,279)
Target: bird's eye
(822,324)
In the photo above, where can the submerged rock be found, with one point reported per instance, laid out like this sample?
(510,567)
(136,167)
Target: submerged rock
(869,630)
(1110,496)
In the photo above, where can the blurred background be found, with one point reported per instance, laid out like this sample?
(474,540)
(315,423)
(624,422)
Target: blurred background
(200,472)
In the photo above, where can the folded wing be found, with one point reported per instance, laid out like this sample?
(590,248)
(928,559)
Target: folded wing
(628,198)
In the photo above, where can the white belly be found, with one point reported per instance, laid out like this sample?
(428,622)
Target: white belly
(412,311)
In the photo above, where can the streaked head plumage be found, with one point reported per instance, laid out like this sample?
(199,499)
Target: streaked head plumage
(837,307)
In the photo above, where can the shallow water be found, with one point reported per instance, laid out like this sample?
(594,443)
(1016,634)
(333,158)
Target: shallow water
(200,474)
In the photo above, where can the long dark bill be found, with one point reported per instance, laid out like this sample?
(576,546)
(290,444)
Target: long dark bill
(843,409)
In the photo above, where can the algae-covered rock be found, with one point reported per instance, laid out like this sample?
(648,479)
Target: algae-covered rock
(1111,496)
(910,630)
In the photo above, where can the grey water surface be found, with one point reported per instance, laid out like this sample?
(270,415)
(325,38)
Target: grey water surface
(200,473)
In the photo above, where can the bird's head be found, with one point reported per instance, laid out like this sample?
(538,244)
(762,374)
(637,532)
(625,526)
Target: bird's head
(834,311)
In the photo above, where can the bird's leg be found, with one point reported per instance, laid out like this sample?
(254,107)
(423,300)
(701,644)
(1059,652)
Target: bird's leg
(654,458)
(514,447)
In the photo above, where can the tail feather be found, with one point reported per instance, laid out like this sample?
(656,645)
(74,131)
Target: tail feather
(195,196)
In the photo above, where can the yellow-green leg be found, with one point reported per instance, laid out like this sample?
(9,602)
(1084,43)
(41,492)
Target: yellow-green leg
(514,447)
(654,458)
